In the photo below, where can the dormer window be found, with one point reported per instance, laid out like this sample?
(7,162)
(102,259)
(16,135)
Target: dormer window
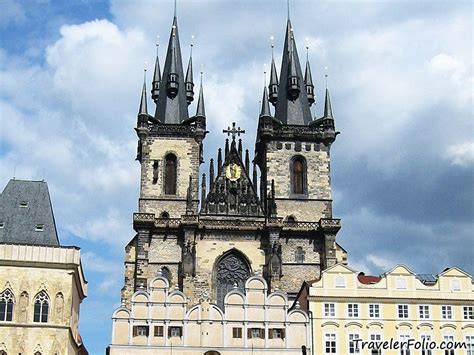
(39,228)
(23,204)
(2,224)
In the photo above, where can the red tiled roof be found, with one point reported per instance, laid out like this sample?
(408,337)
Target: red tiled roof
(367,279)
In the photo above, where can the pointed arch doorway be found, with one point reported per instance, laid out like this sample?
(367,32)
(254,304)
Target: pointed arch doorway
(231,269)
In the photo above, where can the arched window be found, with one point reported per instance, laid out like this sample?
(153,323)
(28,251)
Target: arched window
(3,352)
(298,175)
(41,308)
(165,272)
(299,255)
(231,271)
(164,214)
(6,306)
(170,174)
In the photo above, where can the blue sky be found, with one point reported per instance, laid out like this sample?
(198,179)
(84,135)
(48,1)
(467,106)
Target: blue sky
(400,75)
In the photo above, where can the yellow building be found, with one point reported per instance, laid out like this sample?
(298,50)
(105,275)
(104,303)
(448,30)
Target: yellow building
(397,306)
(41,283)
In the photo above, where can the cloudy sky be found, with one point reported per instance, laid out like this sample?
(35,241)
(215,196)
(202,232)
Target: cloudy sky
(400,75)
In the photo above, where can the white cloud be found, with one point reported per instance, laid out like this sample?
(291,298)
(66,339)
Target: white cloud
(461,154)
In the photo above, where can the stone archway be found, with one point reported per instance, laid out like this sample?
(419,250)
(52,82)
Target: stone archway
(231,270)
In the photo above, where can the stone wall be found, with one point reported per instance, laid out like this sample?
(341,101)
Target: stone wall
(316,203)
(152,197)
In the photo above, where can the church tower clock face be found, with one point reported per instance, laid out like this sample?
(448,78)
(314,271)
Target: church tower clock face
(233,172)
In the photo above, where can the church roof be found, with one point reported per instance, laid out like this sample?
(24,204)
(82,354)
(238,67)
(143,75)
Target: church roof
(26,214)
(291,111)
(170,108)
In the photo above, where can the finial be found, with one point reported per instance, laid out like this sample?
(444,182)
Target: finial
(326,75)
(307,49)
(191,45)
(288,9)
(272,45)
(175,7)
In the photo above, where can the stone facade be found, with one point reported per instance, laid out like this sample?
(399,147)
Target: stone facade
(252,322)
(27,271)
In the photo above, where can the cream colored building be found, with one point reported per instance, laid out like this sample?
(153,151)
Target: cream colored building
(399,305)
(41,283)
(254,322)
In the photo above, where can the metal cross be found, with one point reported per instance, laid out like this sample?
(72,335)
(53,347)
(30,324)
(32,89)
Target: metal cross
(233,131)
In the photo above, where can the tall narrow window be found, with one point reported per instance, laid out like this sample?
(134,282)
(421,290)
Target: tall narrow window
(299,255)
(170,174)
(298,175)
(6,306)
(41,308)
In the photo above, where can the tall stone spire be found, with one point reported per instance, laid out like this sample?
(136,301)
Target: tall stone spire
(292,106)
(308,82)
(143,110)
(155,85)
(200,110)
(273,85)
(265,111)
(189,79)
(171,104)
(327,106)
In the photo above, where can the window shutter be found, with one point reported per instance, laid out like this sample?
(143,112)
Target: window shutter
(283,333)
(169,332)
(270,333)
(249,333)
(180,331)
(262,333)
(135,330)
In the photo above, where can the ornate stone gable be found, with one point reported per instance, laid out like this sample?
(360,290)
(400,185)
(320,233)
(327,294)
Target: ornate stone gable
(232,192)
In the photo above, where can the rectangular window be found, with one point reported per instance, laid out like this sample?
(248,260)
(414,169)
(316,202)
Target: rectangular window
(403,311)
(39,228)
(330,343)
(376,338)
(140,330)
(446,312)
(353,346)
(404,347)
(175,332)
(425,340)
(159,331)
(255,333)
(353,310)
(374,311)
(237,333)
(468,312)
(469,344)
(276,333)
(2,224)
(329,310)
(424,311)
(448,340)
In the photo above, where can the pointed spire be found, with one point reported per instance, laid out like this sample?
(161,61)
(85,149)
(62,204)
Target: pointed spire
(189,79)
(327,106)
(200,110)
(226,148)
(265,111)
(240,148)
(308,81)
(189,197)
(254,175)
(172,106)
(143,110)
(273,86)
(219,161)
(211,173)
(292,105)
(247,161)
(155,85)
(203,189)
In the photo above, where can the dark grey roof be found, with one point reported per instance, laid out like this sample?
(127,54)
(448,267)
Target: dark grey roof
(143,110)
(265,111)
(25,208)
(327,106)
(288,111)
(172,109)
(200,110)
(427,279)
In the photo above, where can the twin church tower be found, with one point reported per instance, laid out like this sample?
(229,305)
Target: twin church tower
(208,233)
